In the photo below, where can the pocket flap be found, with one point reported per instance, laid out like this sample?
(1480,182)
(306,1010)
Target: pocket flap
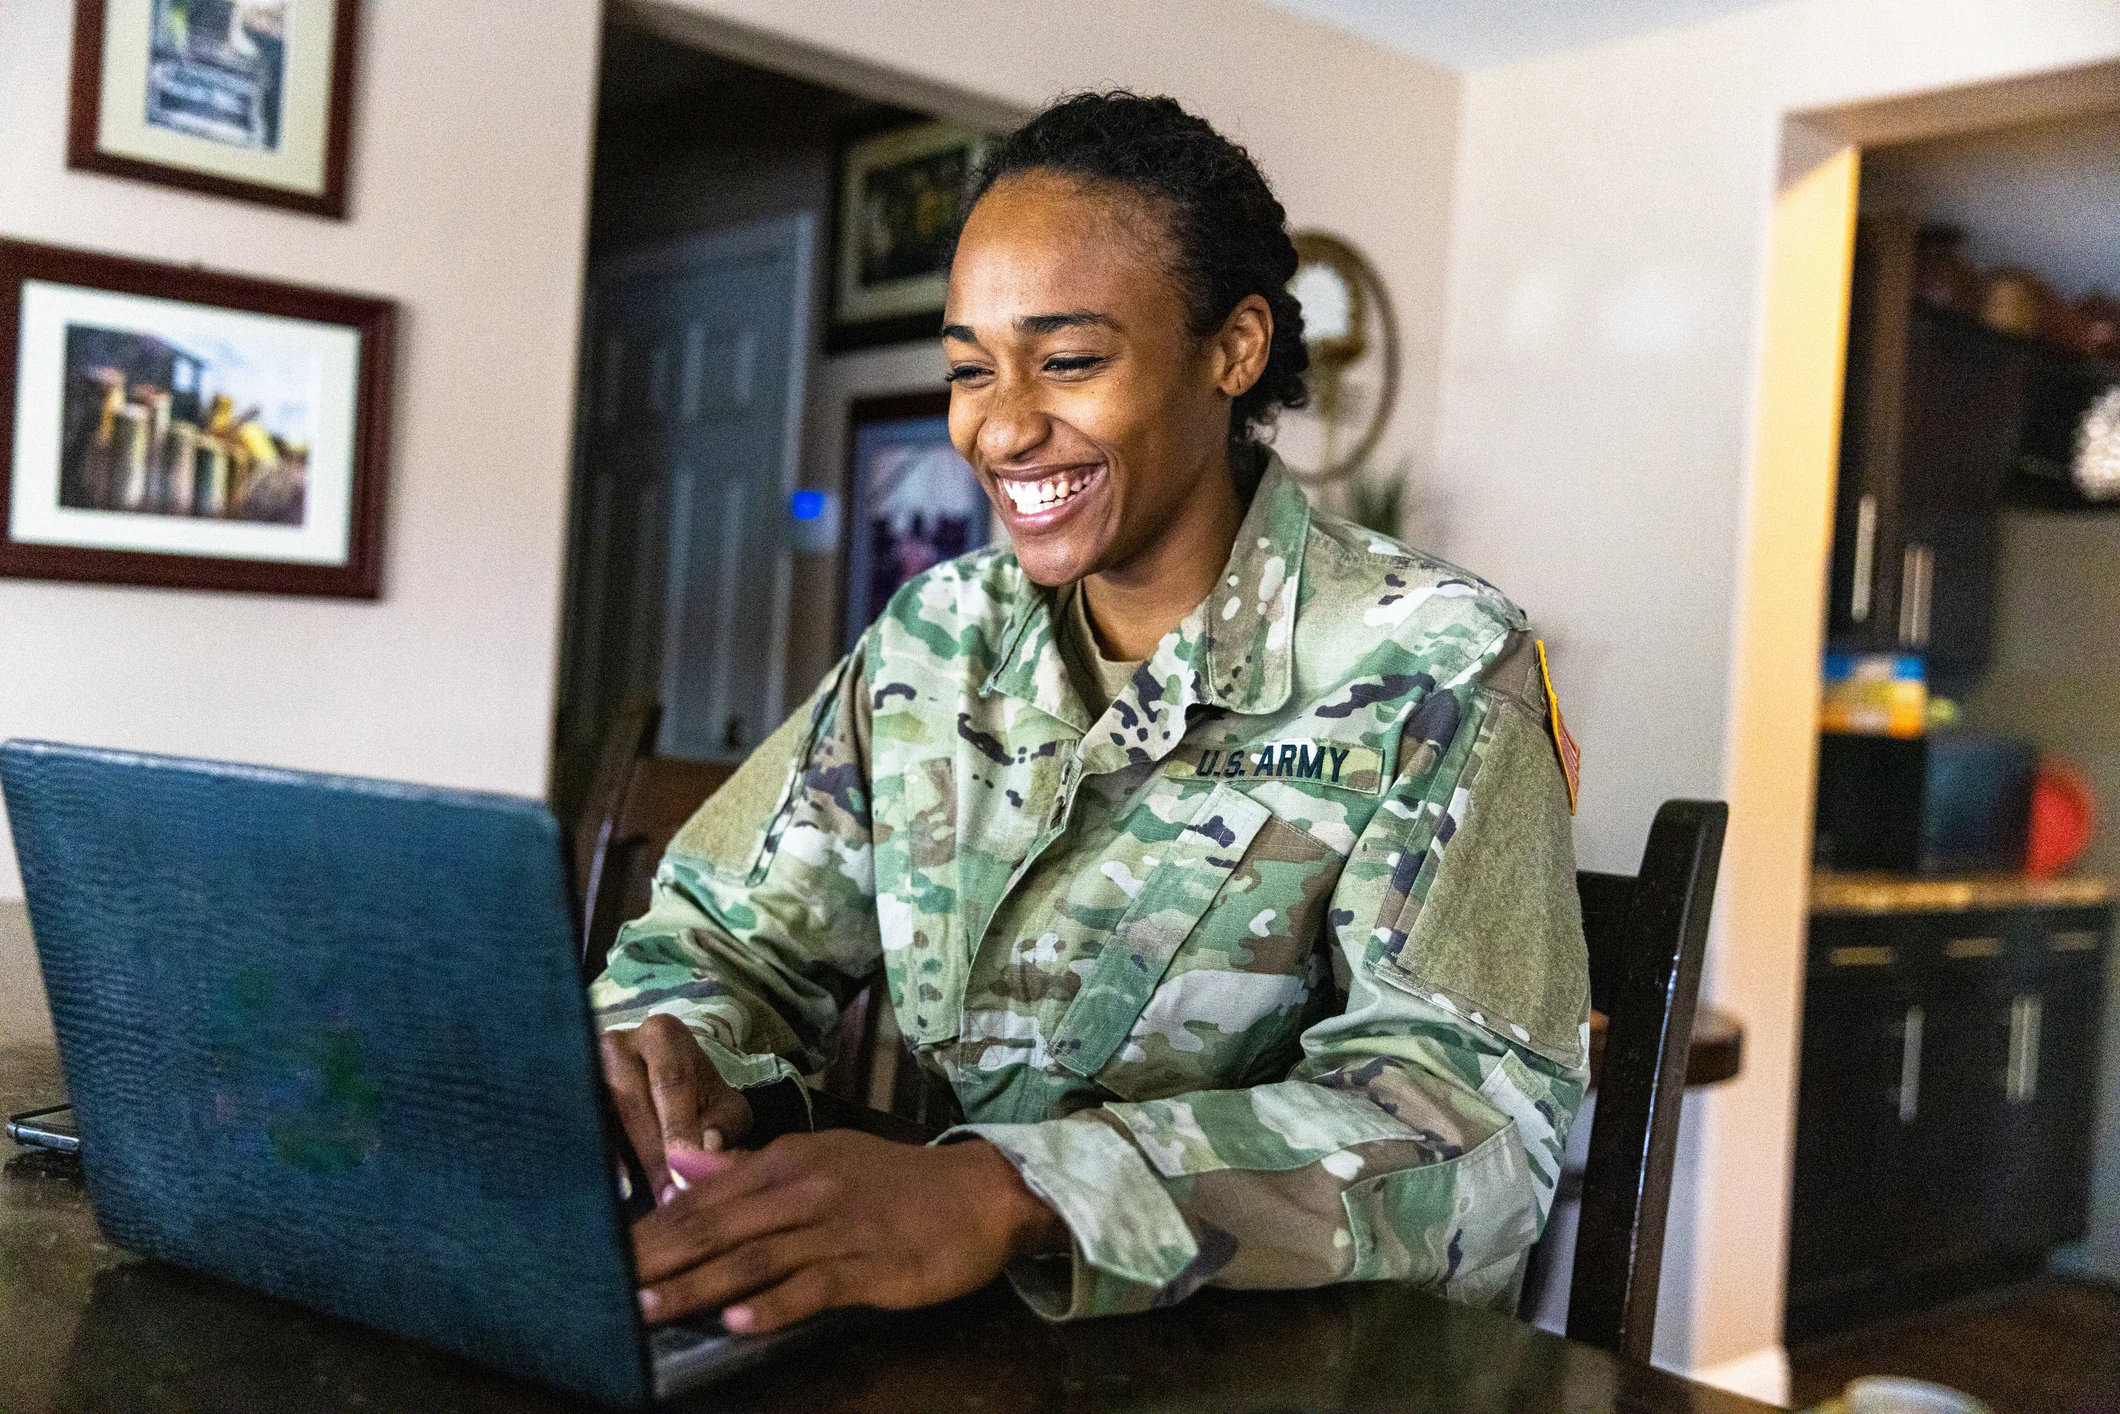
(1163,913)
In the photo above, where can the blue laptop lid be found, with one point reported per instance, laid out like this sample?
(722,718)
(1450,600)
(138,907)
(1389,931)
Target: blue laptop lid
(325,1037)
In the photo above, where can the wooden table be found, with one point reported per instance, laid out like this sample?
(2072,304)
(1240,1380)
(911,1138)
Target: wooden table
(85,1326)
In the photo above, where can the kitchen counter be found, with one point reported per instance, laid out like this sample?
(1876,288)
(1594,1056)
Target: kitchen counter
(1908,893)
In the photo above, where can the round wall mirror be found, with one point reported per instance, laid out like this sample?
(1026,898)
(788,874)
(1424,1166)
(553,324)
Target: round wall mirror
(1354,361)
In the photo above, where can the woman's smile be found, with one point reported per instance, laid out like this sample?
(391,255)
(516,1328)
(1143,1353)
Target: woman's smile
(1035,499)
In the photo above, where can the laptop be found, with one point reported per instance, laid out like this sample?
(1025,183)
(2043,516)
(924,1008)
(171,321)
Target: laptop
(326,1037)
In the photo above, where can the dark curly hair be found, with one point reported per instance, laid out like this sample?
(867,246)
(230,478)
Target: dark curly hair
(1227,227)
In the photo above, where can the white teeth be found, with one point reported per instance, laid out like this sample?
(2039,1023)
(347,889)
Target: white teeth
(1034,495)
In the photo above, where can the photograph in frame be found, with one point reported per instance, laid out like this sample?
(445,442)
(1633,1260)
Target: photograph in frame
(902,197)
(914,501)
(240,98)
(168,426)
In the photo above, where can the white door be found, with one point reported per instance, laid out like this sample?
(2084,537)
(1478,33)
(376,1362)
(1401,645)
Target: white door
(693,363)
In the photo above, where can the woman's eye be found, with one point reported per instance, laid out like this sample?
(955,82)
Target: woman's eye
(964,372)
(1072,363)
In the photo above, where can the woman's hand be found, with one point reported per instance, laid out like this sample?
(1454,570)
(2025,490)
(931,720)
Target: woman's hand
(835,1219)
(669,1096)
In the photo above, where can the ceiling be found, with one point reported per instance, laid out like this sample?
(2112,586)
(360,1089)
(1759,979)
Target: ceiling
(1472,34)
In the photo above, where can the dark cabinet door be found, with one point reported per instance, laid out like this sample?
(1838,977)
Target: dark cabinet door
(2059,1068)
(1929,431)
(1961,1139)
(1963,397)
(1863,592)
(1856,1042)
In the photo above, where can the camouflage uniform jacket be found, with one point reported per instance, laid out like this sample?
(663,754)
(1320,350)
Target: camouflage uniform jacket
(1271,976)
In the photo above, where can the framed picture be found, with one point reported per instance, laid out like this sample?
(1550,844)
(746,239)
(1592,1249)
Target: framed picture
(914,501)
(901,201)
(241,98)
(169,426)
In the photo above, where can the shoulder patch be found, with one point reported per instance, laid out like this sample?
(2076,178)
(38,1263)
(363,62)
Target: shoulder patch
(1571,755)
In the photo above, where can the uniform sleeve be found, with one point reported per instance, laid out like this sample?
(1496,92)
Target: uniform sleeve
(763,918)
(1420,1136)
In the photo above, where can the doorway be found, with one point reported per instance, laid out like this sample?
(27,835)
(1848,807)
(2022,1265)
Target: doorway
(708,398)
(1802,584)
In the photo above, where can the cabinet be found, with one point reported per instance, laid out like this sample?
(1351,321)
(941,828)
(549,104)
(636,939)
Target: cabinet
(1945,1104)
(1929,433)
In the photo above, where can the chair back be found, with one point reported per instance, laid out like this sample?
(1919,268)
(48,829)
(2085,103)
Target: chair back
(1647,934)
(637,802)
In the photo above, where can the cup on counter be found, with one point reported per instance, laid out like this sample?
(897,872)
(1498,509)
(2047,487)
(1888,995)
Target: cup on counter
(1892,1394)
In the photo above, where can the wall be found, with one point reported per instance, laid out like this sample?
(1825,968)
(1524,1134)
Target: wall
(1596,457)
(2055,680)
(470,161)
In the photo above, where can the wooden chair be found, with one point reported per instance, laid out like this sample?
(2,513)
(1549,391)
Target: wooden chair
(636,802)
(1647,933)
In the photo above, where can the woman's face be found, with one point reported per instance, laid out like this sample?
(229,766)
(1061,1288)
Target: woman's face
(1094,417)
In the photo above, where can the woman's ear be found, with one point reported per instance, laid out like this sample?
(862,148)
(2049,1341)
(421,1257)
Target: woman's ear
(1241,346)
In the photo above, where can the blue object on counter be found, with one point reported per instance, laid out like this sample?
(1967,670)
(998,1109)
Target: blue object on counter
(1977,804)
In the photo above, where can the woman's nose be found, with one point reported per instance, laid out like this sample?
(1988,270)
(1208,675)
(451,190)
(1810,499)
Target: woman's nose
(1014,423)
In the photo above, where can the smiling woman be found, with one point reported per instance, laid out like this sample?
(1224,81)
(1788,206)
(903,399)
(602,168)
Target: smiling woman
(1216,852)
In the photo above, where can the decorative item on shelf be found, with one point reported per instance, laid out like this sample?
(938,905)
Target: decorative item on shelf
(168,426)
(1352,335)
(250,99)
(2015,301)
(2096,468)
(1942,275)
(902,196)
(1874,694)
(2099,326)
(2064,815)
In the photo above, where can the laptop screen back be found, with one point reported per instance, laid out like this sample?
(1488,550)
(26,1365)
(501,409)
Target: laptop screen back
(325,1037)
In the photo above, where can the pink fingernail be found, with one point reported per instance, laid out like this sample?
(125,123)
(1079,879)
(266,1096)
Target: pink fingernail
(689,1166)
(669,1192)
(649,1302)
(738,1318)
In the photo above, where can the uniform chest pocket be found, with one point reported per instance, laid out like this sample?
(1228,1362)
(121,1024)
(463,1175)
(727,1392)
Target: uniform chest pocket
(1161,915)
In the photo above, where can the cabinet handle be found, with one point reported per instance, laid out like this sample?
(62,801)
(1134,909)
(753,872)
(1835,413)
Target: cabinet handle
(1910,1066)
(2073,942)
(2021,1085)
(1865,559)
(1917,573)
(1928,596)
(1861,957)
(1966,949)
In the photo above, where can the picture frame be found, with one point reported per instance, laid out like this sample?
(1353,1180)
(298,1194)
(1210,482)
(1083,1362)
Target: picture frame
(170,426)
(912,502)
(899,200)
(246,99)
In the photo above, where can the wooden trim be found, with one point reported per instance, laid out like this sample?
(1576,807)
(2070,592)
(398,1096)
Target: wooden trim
(85,112)
(373,319)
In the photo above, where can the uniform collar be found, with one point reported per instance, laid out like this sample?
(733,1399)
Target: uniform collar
(1235,651)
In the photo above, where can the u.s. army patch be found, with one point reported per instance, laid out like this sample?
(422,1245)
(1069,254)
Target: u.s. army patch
(1299,761)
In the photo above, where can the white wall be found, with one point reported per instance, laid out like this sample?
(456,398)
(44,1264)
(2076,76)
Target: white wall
(1605,308)
(470,164)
